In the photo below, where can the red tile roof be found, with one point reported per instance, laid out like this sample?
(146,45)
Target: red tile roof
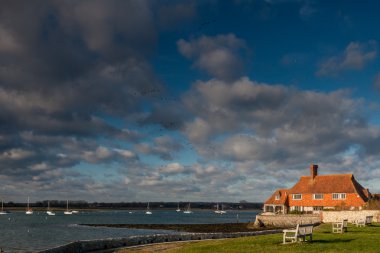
(340,183)
(283,193)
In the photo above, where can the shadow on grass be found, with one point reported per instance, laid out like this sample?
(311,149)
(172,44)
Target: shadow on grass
(337,240)
(345,233)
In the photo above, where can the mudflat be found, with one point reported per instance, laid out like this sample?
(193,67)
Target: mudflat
(195,228)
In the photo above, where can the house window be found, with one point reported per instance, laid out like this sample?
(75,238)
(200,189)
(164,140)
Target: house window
(297,196)
(317,196)
(297,208)
(277,197)
(339,196)
(317,208)
(269,209)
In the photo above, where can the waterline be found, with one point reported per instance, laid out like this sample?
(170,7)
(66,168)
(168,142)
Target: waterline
(38,231)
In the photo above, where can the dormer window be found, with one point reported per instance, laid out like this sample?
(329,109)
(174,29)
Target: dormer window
(297,196)
(277,197)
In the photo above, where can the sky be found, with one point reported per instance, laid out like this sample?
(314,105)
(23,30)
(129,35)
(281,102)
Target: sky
(198,100)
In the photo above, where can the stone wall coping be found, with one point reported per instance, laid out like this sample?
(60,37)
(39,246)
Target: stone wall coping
(108,243)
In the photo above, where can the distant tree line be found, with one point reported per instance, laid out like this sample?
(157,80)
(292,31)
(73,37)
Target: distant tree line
(138,205)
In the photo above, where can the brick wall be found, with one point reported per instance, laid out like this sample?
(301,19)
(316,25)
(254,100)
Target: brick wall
(352,199)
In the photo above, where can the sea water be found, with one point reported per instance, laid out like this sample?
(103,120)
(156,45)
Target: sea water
(25,233)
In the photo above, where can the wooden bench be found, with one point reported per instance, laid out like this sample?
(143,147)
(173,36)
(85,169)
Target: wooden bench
(368,220)
(364,221)
(339,226)
(298,234)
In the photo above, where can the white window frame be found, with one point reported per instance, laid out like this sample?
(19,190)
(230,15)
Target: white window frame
(318,194)
(339,196)
(277,197)
(300,196)
(297,208)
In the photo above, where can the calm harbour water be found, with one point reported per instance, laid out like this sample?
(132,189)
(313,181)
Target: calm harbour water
(26,233)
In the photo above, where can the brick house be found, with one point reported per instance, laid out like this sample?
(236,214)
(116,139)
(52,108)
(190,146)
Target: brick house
(317,192)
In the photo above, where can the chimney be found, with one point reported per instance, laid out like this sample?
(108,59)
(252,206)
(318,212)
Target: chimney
(313,170)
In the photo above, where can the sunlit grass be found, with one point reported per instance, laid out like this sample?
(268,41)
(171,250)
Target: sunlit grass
(364,239)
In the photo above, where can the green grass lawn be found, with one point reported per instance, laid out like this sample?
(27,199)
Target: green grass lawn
(364,239)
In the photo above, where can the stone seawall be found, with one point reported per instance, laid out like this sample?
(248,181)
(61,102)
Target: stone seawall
(287,220)
(331,216)
(291,220)
(93,245)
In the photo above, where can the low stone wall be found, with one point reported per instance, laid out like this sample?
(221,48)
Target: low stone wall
(287,220)
(331,216)
(291,220)
(93,245)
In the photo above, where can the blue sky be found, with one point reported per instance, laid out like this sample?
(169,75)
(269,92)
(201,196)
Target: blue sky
(185,100)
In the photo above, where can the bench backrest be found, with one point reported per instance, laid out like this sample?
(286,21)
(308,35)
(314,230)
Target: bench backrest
(305,229)
(368,219)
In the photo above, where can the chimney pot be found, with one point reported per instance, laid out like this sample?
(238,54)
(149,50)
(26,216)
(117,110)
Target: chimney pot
(313,170)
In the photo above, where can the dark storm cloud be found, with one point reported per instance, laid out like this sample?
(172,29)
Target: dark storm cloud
(77,56)
(64,65)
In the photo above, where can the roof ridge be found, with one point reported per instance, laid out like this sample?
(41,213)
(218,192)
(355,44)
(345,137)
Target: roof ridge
(328,175)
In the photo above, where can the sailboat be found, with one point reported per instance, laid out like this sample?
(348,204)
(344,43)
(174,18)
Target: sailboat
(148,210)
(67,208)
(2,209)
(178,209)
(28,210)
(188,211)
(217,209)
(222,210)
(48,210)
